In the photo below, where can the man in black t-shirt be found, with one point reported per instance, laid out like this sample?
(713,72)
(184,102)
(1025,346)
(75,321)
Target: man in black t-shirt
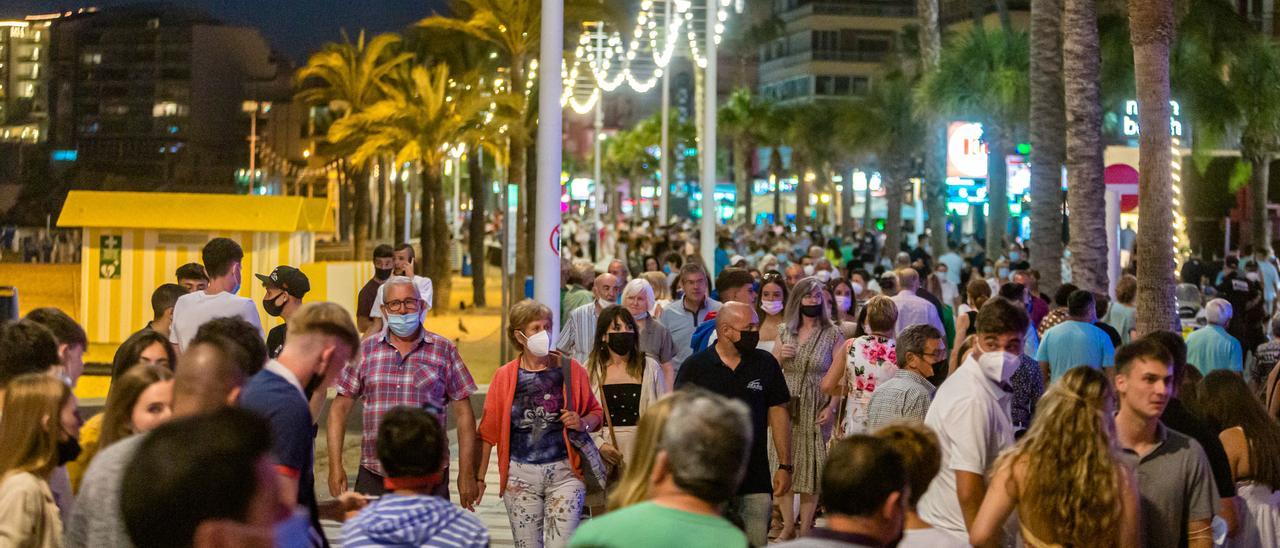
(285,288)
(735,368)
(383,261)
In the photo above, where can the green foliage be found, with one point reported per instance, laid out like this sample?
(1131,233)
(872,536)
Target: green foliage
(981,76)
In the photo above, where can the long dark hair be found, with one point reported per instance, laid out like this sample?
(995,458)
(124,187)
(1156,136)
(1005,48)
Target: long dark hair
(1227,401)
(130,350)
(853,299)
(598,361)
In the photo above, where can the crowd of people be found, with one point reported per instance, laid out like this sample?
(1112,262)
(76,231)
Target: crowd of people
(808,391)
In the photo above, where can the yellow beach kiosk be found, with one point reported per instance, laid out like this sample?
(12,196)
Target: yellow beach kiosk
(134,241)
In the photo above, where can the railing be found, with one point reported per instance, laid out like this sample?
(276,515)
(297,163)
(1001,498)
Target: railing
(850,9)
(803,56)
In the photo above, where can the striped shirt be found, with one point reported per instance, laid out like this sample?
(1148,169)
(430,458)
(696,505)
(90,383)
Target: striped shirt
(575,337)
(414,520)
(905,397)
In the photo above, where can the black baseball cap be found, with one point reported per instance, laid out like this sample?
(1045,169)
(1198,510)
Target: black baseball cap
(288,278)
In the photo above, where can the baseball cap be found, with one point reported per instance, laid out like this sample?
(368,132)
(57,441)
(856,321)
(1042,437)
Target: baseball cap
(288,278)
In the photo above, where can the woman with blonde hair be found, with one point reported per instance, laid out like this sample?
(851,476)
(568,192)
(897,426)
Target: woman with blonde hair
(661,286)
(633,488)
(139,400)
(1065,477)
(540,408)
(37,434)
(808,342)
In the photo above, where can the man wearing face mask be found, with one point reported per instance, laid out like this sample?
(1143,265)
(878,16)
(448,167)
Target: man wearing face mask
(285,288)
(405,365)
(222,257)
(576,335)
(405,265)
(322,340)
(383,262)
(736,369)
(970,413)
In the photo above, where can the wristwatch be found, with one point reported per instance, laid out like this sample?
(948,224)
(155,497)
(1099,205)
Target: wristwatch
(787,467)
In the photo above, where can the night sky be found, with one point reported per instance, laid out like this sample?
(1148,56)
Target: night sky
(295,28)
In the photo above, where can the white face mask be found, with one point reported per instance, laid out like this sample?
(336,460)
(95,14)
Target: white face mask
(1253,276)
(824,276)
(857,288)
(771,308)
(998,366)
(843,303)
(603,304)
(538,345)
(808,270)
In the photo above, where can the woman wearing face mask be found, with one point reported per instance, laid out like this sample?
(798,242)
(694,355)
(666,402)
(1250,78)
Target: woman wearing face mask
(655,339)
(138,402)
(143,347)
(625,381)
(772,300)
(527,418)
(37,434)
(843,309)
(808,341)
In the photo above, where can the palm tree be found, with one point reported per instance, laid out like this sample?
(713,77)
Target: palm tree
(348,78)
(740,118)
(935,144)
(420,122)
(1086,189)
(1151,28)
(983,76)
(1048,132)
(885,123)
(812,149)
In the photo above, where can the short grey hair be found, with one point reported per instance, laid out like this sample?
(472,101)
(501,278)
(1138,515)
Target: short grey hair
(639,286)
(808,286)
(707,439)
(395,281)
(912,340)
(1218,312)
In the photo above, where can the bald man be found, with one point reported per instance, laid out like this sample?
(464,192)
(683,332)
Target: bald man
(735,368)
(580,327)
(208,377)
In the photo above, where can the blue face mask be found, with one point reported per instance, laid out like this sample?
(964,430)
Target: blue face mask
(403,325)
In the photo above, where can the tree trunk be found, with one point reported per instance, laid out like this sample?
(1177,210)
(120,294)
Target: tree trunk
(441,270)
(427,219)
(801,166)
(516,175)
(775,171)
(1259,226)
(360,221)
(532,184)
(1002,9)
(868,219)
(398,187)
(742,176)
(384,180)
(935,145)
(846,204)
(1151,30)
(345,211)
(820,185)
(475,174)
(997,189)
(894,179)
(1048,132)
(1086,189)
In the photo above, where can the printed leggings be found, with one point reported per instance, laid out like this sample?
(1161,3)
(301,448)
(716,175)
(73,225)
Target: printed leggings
(544,502)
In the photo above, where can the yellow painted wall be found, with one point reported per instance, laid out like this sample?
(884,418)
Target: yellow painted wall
(40,285)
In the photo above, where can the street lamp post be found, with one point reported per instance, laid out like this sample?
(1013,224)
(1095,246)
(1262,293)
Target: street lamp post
(546,249)
(664,155)
(709,213)
(254,108)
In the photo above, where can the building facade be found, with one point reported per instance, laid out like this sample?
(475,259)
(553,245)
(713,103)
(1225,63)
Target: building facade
(24,54)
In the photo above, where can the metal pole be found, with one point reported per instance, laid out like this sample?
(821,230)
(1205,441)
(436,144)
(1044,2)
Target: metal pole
(546,249)
(1112,199)
(596,218)
(457,197)
(253,145)
(709,212)
(664,157)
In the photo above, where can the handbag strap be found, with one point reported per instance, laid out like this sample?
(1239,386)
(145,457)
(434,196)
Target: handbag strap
(566,368)
(608,421)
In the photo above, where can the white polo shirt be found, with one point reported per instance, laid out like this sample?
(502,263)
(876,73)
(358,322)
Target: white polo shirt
(970,414)
(194,309)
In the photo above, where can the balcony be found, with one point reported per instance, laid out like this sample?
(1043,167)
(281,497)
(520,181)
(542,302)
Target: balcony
(793,10)
(809,55)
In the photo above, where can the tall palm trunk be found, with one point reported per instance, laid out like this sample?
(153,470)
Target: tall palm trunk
(894,179)
(516,175)
(360,219)
(441,269)
(1259,225)
(1086,189)
(846,205)
(1151,29)
(820,185)
(398,188)
(935,145)
(1048,132)
(867,217)
(775,171)
(427,221)
(384,180)
(475,174)
(802,167)
(997,188)
(741,173)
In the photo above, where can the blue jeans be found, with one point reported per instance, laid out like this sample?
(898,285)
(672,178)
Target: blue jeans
(752,512)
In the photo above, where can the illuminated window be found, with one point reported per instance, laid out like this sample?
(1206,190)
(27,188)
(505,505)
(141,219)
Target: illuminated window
(91,58)
(168,108)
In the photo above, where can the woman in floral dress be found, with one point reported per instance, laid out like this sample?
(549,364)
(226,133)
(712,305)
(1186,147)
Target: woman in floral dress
(808,341)
(868,361)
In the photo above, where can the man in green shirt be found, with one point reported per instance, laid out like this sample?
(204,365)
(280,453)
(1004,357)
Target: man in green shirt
(701,456)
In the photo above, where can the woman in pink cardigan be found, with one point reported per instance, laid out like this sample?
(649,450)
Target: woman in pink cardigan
(525,417)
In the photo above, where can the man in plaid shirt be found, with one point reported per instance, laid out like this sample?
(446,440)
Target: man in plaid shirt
(404,364)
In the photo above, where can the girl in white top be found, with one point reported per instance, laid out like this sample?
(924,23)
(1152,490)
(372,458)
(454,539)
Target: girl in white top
(771,302)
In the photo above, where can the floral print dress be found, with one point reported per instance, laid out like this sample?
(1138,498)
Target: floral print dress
(871,360)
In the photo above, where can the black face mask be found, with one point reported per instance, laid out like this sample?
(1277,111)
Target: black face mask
(811,310)
(747,341)
(68,450)
(622,344)
(271,307)
(381,273)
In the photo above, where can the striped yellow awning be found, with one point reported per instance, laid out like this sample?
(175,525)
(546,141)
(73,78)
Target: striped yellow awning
(183,211)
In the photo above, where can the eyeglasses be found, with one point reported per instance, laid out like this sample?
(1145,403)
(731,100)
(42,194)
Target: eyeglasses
(405,305)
